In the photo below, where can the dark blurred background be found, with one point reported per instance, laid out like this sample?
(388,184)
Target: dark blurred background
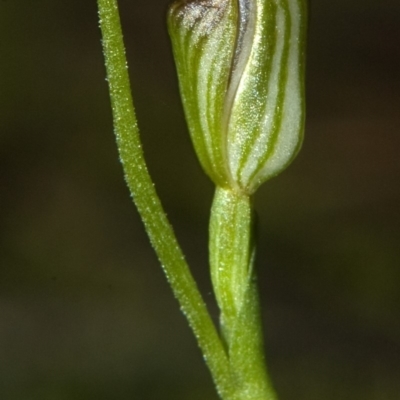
(85,311)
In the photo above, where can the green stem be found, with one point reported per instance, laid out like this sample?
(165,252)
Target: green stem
(148,204)
(235,286)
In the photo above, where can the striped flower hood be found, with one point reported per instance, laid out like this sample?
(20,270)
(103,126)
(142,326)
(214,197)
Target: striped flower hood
(240,66)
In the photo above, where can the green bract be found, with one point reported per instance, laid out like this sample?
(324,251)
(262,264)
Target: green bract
(241,70)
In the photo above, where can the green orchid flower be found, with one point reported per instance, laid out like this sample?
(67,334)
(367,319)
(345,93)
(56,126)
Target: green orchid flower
(240,65)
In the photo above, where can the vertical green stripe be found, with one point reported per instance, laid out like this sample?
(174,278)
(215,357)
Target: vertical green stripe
(282,81)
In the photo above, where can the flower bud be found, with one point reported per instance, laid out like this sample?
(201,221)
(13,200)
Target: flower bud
(240,66)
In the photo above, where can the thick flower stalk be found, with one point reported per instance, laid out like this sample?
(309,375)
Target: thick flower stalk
(240,66)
